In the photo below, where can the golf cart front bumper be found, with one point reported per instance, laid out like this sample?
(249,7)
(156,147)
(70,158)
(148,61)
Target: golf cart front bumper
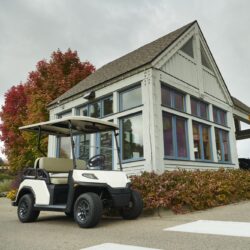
(120,196)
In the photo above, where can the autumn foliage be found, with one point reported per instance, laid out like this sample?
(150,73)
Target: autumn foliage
(183,191)
(27,103)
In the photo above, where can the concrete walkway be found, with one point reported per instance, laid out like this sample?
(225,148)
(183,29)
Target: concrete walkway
(56,231)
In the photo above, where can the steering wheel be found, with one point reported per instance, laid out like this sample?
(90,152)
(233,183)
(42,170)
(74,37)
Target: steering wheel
(96,162)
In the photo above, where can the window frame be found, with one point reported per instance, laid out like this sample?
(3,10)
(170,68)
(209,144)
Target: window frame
(121,138)
(174,138)
(173,93)
(200,130)
(222,146)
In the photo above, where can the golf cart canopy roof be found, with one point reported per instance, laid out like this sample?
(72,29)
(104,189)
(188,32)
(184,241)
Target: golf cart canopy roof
(80,125)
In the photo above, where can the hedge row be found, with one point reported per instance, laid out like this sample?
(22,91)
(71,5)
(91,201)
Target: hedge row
(183,191)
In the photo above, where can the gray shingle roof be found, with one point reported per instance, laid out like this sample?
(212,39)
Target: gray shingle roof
(133,60)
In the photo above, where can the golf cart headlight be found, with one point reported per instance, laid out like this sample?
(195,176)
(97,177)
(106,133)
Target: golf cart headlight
(89,176)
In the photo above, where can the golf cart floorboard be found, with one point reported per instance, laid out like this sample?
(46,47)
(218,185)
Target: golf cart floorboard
(61,207)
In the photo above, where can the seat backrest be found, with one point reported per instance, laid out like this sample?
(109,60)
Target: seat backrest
(60,165)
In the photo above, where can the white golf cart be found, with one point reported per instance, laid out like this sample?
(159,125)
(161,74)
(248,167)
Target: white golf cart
(76,187)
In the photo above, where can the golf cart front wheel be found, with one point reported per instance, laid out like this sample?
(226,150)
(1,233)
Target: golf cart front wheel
(88,210)
(134,209)
(25,210)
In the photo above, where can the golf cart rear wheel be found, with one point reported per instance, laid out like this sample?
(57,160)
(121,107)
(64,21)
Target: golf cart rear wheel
(88,210)
(134,209)
(25,210)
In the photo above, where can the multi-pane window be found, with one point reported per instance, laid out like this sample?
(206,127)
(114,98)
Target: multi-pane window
(202,143)
(130,98)
(222,145)
(172,98)
(175,136)
(98,109)
(131,137)
(220,116)
(199,108)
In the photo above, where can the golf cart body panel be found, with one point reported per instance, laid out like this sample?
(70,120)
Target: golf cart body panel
(38,188)
(81,187)
(114,179)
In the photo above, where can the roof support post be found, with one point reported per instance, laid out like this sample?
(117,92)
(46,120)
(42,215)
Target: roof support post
(72,145)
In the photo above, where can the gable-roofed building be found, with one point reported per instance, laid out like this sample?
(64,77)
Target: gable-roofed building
(170,101)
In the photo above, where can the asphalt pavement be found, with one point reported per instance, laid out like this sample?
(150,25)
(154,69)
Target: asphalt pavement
(56,231)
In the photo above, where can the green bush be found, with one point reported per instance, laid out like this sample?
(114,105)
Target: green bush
(183,191)
(4,176)
(5,185)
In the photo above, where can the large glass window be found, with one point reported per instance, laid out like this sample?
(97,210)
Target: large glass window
(172,98)
(130,98)
(174,136)
(220,116)
(84,147)
(199,108)
(132,138)
(202,143)
(222,145)
(95,110)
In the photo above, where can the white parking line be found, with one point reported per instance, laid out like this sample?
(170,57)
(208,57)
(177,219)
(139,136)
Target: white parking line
(112,246)
(229,228)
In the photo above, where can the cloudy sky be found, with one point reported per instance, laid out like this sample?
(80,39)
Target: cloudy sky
(103,30)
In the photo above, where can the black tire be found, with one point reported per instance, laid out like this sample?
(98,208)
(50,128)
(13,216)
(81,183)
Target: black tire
(25,210)
(88,210)
(135,207)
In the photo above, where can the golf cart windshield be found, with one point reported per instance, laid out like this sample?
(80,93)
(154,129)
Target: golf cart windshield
(80,137)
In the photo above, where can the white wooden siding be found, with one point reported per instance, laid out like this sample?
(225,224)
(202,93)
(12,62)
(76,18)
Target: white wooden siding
(212,86)
(183,68)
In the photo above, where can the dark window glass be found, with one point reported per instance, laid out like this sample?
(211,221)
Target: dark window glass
(132,139)
(130,98)
(202,144)
(174,136)
(197,146)
(203,110)
(194,107)
(181,137)
(172,98)
(222,145)
(179,101)
(220,116)
(95,110)
(204,59)
(199,108)
(108,106)
(166,97)
(206,143)
(188,48)
(168,135)
(85,111)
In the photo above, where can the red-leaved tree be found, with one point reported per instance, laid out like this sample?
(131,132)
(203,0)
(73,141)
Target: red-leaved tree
(27,103)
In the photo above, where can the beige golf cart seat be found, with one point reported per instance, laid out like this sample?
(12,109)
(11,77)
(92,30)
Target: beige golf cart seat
(58,168)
